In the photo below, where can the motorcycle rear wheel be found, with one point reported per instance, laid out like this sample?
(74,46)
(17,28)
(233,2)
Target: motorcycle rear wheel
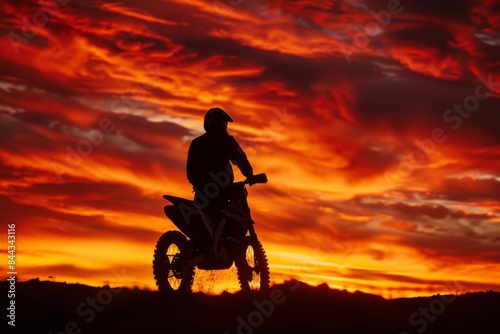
(252,266)
(169,273)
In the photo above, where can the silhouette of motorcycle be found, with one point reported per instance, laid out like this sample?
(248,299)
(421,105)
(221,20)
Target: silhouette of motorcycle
(177,254)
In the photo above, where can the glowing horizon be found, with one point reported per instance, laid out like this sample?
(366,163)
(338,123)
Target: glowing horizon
(376,123)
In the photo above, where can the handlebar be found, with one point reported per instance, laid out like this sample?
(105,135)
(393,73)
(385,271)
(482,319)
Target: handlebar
(259,178)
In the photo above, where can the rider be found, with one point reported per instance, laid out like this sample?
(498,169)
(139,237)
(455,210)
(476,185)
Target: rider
(209,163)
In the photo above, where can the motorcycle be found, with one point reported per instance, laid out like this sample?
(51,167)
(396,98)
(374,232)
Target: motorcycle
(205,243)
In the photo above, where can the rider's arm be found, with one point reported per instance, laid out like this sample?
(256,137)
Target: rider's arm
(239,158)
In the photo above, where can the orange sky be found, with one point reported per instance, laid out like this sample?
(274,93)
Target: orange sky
(378,131)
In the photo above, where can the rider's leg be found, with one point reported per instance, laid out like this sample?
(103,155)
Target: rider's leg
(217,234)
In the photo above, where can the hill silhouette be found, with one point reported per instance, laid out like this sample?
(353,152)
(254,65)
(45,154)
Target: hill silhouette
(293,307)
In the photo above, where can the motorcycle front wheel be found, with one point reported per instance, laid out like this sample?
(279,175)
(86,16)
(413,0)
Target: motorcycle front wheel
(169,273)
(252,266)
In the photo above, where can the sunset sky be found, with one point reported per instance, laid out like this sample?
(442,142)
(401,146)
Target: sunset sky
(377,123)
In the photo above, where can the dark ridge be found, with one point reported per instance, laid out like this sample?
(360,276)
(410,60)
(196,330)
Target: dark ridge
(292,307)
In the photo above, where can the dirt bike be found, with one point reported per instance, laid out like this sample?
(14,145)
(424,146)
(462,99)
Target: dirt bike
(202,243)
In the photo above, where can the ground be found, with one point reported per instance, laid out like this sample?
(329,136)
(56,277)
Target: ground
(293,307)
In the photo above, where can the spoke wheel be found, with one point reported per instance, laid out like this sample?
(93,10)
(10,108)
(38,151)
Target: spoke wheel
(252,266)
(170,276)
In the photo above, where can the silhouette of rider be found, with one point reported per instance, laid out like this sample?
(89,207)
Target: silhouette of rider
(209,161)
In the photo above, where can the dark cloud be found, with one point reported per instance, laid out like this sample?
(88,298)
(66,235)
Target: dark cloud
(470,189)
(28,218)
(433,211)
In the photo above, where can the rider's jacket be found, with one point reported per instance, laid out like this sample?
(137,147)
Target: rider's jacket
(209,161)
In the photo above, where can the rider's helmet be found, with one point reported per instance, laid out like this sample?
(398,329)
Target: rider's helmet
(216,120)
